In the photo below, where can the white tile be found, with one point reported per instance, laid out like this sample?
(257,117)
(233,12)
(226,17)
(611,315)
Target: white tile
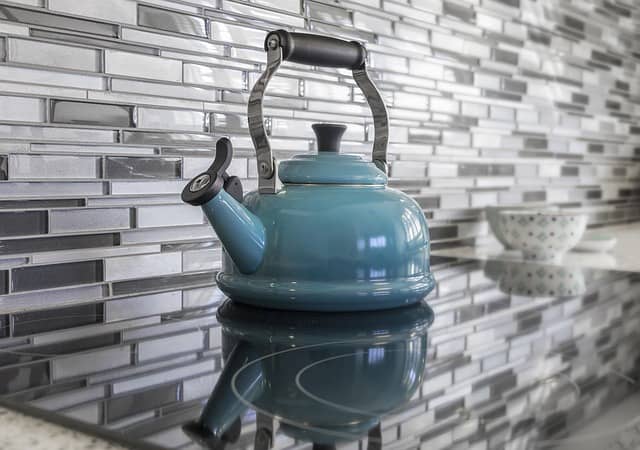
(264,14)
(121,11)
(215,337)
(56,55)
(145,305)
(168,215)
(146,187)
(143,66)
(57,134)
(52,166)
(163,89)
(19,88)
(69,398)
(51,78)
(213,76)
(180,343)
(192,166)
(21,109)
(163,40)
(200,387)
(14,28)
(92,330)
(141,266)
(64,221)
(89,413)
(85,254)
(205,259)
(237,34)
(167,119)
(197,298)
(92,362)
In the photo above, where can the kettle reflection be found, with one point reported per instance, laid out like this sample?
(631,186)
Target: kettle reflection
(327,378)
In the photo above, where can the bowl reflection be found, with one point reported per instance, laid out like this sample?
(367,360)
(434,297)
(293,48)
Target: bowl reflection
(535,280)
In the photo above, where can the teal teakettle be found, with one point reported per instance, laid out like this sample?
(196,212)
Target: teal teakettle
(334,230)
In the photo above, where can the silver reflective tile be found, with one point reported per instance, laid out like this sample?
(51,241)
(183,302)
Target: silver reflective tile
(23,223)
(160,138)
(171,21)
(126,167)
(91,113)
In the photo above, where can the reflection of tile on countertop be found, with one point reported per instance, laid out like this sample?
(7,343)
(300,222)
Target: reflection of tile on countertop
(17,434)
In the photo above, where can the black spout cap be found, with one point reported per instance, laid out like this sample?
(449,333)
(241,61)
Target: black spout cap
(328,136)
(208,184)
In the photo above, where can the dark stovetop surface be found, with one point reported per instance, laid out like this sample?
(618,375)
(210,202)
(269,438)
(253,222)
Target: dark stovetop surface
(506,355)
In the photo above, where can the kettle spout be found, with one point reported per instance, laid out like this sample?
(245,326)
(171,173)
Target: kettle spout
(240,231)
(220,196)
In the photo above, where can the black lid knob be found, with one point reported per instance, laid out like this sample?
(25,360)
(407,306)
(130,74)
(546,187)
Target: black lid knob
(328,136)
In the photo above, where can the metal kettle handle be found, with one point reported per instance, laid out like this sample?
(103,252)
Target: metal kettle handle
(324,51)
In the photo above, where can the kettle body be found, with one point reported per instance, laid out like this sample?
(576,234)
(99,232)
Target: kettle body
(334,237)
(335,248)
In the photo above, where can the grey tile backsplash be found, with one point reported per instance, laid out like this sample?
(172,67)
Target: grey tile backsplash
(108,108)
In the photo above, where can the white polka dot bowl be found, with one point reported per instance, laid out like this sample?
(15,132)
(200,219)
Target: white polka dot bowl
(542,234)
(492,213)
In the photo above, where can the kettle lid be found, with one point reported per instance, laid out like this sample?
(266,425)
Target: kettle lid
(328,166)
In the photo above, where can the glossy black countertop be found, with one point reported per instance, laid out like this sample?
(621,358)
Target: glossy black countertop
(501,355)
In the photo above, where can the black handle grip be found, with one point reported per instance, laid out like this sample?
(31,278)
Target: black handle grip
(316,50)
